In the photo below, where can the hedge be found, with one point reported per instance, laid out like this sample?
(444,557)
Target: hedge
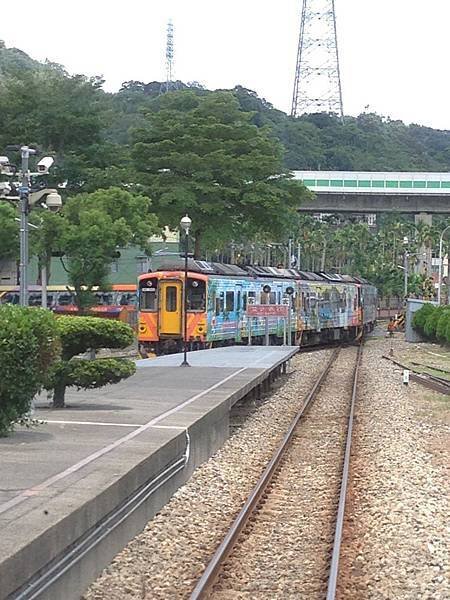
(420,316)
(433,322)
(28,348)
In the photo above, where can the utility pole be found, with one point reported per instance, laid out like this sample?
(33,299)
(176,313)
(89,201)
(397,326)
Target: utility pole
(405,274)
(405,268)
(317,86)
(24,192)
(441,240)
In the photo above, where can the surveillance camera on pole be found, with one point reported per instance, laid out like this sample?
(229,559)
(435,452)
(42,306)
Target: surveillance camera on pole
(28,196)
(48,198)
(5,189)
(44,165)
(6,168)
(53,201)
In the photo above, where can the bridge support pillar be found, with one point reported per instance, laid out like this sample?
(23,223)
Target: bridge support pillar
(424,264)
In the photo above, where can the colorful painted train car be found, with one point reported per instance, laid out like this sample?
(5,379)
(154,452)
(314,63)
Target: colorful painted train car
(322,306)
(119,302)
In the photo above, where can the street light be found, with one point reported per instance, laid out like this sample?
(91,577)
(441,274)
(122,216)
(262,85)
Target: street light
(185,224)
(405,267)
(440,266)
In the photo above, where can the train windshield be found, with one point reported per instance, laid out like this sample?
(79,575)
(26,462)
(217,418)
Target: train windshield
(196,295)
(148,299)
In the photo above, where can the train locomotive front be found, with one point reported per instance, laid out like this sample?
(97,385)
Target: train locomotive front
(161,314)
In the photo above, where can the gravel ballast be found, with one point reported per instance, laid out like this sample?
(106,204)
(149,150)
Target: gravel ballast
(396,535)
(396,532)
(283,553)
(168,557)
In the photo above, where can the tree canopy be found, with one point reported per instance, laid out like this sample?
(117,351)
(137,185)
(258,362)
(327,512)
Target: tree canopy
(94,227)
(222,156)
(201,154)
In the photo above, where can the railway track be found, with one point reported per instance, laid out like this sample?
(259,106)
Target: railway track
(432,382)
(285,541)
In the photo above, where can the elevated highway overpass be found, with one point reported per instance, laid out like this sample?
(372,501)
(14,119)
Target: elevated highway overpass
(376,192)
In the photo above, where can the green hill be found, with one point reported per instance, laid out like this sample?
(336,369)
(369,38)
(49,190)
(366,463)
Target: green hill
(317,141)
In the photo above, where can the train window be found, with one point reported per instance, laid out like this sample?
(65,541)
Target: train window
(244,301)
(264,298)
(279,298)
(102,299)
(65,299)
(148,294)
(171,298)
(219,304)
(127,299)
(251,297)
(229,302)
(238,300)
(34,299)
(147,298)
(293,301)
(272,298)
(196,295)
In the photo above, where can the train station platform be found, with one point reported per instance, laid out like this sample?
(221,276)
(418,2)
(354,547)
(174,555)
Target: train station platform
(76,488)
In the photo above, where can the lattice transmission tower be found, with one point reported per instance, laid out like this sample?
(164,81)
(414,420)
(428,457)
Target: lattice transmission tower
(169,84)
(317,86)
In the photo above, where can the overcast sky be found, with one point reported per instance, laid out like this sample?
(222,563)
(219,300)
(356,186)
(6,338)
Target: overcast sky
(394,53)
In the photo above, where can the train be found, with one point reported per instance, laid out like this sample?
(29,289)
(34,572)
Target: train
(321,306)
(118,302)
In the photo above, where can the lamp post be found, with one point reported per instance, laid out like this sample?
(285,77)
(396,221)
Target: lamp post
(440,265)
(185,224)
(405,267)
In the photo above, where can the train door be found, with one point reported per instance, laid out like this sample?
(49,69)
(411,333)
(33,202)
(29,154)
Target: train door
(170,303)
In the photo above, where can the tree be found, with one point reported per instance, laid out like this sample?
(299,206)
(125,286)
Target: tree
(95,226)
(9,237)
(46,239)
(78,335)
(202,155)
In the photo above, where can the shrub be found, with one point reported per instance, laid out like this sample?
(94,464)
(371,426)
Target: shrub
(420,317)
(78,335)
(443,322)
(447,331)
(28,347)
(90,374)
(432,321)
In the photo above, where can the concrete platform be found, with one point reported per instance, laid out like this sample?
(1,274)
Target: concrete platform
(94,473)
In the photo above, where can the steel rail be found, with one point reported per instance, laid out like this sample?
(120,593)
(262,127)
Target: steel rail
(334,567)
(212,570)
(438,384)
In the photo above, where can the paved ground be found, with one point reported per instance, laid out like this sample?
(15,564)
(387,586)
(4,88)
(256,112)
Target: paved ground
(47,472)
